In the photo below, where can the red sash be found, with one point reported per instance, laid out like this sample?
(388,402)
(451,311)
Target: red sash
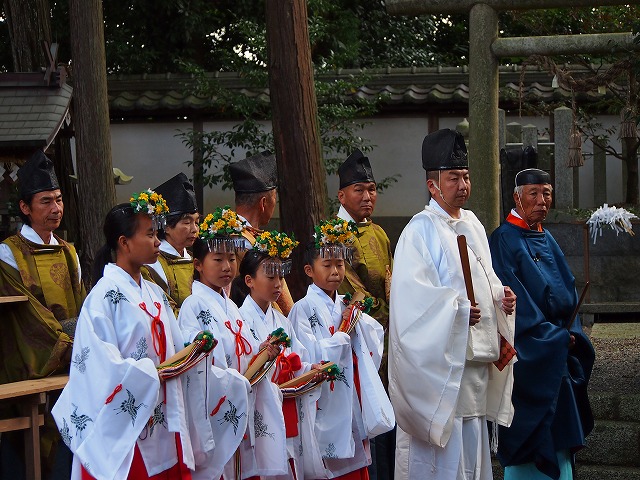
(518,222)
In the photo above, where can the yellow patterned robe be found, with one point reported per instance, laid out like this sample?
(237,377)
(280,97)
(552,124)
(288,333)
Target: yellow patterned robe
(179,273)
(368,273)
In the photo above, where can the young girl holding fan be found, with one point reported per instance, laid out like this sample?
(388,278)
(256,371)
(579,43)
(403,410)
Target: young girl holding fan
(117,414)
(214,254)
(262,271)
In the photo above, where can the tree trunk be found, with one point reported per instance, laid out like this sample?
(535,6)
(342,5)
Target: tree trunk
(301,173)
(29,24)
(96,188)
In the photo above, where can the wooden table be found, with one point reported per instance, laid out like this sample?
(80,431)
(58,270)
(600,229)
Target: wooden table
(29,395)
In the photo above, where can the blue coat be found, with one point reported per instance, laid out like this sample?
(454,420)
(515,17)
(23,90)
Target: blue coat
(552,409)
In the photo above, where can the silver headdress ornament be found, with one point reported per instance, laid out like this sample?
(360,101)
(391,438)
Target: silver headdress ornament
(153,204)
(334,238)
(222,230)
(278,246)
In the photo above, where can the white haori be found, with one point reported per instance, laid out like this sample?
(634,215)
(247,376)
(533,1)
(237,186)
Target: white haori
(114,395)
(314,317)
(207,309)
(302,449)
(226,413)
(440,368)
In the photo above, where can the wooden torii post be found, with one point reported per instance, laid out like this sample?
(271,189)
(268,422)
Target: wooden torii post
(485,48)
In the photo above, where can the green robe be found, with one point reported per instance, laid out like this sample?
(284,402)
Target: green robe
(179,273)
(33,343)
(367,272)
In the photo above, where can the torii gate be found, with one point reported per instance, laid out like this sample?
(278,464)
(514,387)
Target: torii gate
(485,49)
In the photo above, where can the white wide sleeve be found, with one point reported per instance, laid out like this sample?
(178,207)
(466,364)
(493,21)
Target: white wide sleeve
(108,400)
(428,330)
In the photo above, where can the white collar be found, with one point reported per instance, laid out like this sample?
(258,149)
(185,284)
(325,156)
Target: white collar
(31,235)
(244,219)
(166,247)
(515,214)
(344,215)
(251,303)
(324,297)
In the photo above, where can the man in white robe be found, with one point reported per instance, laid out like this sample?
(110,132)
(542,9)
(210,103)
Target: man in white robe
(442,381)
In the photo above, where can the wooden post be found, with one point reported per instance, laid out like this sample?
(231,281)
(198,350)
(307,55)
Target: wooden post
(484,160)
(96,189)
(301,172)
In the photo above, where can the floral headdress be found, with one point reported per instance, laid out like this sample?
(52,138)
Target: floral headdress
(334,238)
(222,230)
(276,245)
(151,203)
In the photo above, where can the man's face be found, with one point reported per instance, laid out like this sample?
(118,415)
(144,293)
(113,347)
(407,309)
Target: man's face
(359,199)
(534,202)
(455,187)
(44,211)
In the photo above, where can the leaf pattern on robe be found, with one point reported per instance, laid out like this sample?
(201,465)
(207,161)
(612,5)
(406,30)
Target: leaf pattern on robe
(253,332)
(205,317)
(330,451)
(64,433)
(80,421)
(231,416)
(300,450)
(115,296)
(141,349)
(228,358)
(129,407)
(165,300)
(341,377)
(300,410)
(313,321)
(261,428)
(157,418)
(79,359)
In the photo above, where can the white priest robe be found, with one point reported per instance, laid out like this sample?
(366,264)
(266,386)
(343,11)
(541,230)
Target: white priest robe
(263,450)
(441,375)
(316,319)
(302,449)
(114,398)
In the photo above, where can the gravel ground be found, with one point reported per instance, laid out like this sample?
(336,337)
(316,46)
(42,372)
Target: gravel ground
(617,366)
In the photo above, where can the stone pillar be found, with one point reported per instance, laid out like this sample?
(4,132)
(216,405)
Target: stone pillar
(484,159)
(599,172)
(530,136)
(514,132)
(563,191)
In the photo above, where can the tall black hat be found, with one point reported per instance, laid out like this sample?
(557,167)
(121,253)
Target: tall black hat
(179,194)
(355,169)
(255,174)
(444,150)
(37,175)
(532,176)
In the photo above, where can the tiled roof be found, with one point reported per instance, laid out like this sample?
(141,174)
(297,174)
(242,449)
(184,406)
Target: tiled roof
(30,116)
(172,94)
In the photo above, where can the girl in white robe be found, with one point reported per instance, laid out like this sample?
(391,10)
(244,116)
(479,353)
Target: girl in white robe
(118,417)
(341,430)
(209,306)
(261,279)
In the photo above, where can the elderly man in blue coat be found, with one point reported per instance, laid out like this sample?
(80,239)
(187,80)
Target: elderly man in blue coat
(552,413)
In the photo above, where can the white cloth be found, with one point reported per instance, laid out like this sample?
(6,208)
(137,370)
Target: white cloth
(6,255)
(344,444)
(205,309)
(114,390)
(303,449)
(344,215)
(440,368)
(466,455)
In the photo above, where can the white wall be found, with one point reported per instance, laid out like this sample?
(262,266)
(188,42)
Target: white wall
(152,153)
